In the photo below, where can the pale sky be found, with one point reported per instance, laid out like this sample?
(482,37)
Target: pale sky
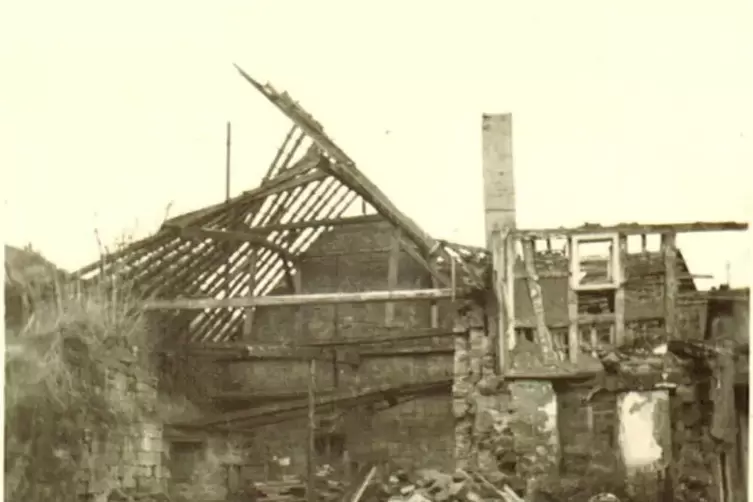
(110,114)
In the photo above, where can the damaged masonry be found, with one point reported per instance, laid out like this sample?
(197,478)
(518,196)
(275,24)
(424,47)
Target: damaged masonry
(335,350)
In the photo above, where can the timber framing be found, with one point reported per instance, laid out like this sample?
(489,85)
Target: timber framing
(223,261)
(519,247)
(634,229)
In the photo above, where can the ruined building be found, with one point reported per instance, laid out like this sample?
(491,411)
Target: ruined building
(318,324)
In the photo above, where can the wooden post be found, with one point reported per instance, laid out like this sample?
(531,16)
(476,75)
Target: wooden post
(543,336)
(392,275)
(669,251)
(510,259)
(248,320)
(619,295)
(573,332)
(499,269)
(311,453)
(644,243)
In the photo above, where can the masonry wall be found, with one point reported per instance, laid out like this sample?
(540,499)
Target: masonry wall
(355,258)
(128,459)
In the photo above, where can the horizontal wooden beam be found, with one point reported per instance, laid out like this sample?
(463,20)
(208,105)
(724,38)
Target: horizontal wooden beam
(304,299)
(287,411)
(328,222)
(240,352)
(235,236)
(406,352)
(633,229)
(392,336)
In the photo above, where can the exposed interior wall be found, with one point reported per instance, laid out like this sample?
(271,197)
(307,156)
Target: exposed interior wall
(355,258)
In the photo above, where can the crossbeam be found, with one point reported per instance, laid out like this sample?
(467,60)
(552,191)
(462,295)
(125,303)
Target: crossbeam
(328,222)
(305,299)
(634,229)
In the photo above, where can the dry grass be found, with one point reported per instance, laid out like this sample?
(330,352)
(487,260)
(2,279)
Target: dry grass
(57,394)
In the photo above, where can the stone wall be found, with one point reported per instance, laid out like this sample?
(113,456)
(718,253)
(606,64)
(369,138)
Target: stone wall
(502,428)
(355,258)
(132,458)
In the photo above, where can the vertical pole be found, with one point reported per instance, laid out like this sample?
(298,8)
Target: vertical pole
(392,275)
(573,331)
(311,453)
(510,259)
(620,255)
(227,161)
(670,283)
(248,320)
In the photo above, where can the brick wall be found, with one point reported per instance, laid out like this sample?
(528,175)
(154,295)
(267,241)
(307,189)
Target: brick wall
(355,258)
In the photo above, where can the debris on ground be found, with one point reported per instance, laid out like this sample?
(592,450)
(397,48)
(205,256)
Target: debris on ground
(424,485)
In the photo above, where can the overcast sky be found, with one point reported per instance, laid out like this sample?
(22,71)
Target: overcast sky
(622,111)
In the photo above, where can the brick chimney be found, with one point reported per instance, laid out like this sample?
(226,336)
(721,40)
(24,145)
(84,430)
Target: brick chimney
(499,182)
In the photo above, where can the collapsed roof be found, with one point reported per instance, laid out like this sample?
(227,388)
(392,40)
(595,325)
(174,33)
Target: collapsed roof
(310,184)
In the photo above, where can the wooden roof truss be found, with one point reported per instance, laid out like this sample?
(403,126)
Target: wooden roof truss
(244,247)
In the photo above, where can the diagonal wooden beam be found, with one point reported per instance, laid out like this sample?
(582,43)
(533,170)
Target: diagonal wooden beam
(343,166)
(543,336)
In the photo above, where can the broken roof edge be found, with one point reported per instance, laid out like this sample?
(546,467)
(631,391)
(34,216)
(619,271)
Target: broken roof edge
(342,166)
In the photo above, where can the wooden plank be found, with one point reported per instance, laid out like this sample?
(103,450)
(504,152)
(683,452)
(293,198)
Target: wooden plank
(438,278)
(543,336)
(619,295)
(573,329)
(242,352)
(345,398)
(393,264)
(633,229)
(407,352)
(343,166)
(326,222)
(392,336)
(304,299)
(671,284)
(235,236)
(272,169)
(248,319)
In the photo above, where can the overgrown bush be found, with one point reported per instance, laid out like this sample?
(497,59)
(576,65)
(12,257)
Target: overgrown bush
(57,395)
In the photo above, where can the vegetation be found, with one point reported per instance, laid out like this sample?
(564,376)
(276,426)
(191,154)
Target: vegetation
(58,396)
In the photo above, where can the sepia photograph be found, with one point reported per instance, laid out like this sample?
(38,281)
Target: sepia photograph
(332,251)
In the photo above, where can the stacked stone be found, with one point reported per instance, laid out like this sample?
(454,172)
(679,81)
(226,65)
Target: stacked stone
(130,459)
(480,404)
(502,428)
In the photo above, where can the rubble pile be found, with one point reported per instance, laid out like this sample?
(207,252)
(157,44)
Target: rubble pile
(426,485)
(430,485)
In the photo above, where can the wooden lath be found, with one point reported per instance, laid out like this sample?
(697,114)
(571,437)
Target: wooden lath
(212,252)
